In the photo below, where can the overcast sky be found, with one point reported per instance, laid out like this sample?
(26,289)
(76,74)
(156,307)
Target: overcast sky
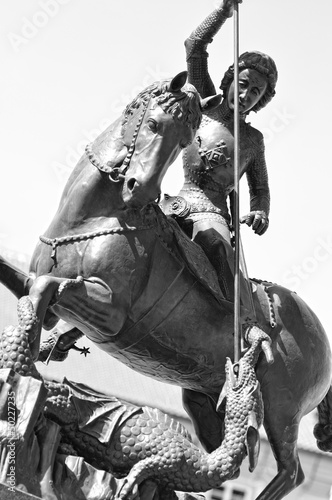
(70,66)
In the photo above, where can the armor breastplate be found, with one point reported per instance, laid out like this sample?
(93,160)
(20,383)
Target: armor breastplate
(213,150)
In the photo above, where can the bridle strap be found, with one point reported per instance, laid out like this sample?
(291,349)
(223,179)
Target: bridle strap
(115,174)
(74,238)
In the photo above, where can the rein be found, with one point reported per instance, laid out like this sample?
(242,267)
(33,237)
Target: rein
(115,174)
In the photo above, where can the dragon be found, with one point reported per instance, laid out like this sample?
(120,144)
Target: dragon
(140,444)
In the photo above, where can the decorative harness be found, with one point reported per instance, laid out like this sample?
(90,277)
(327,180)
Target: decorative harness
(63,240)
(115,174)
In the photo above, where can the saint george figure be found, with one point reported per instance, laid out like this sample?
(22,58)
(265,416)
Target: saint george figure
(209,161)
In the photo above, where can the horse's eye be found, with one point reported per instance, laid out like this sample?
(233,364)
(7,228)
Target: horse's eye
(153,125)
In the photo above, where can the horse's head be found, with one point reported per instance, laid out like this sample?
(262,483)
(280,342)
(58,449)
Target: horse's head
(158,124)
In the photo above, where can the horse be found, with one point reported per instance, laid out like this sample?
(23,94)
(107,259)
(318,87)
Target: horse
(112,265)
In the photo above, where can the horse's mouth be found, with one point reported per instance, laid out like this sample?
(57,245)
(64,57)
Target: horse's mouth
(131,194)
(135,196)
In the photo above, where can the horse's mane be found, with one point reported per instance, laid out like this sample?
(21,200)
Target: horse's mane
(183,105)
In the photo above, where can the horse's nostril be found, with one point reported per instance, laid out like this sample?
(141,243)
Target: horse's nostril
(131,184)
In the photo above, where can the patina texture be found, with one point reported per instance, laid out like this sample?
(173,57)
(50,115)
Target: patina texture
(114,267)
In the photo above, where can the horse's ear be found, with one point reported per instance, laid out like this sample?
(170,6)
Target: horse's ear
(178,82)
(211,102)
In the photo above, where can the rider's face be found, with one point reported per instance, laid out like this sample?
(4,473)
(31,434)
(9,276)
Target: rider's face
(252,86)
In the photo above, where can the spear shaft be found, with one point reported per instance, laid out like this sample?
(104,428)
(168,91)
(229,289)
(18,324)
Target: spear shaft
(236,222)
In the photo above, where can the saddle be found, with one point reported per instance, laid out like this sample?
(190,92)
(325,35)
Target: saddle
(193,256)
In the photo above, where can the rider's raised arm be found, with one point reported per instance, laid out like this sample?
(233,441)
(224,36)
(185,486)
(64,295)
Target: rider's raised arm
(259,190)
(196,45)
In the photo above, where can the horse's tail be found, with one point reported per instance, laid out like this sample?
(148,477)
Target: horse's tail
(17,281)
(323,430)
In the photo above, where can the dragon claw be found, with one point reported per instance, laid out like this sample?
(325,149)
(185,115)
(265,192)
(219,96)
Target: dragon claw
(266,346)
(255,334)
(128,491)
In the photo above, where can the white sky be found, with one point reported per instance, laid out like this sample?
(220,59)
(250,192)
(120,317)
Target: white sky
(70,66)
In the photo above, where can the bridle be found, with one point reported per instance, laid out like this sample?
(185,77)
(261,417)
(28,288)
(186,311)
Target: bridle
(116,174)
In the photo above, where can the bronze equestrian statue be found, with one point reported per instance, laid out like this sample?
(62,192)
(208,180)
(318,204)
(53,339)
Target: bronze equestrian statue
(112,265)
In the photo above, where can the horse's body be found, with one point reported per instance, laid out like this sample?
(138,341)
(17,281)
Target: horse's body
(141,299)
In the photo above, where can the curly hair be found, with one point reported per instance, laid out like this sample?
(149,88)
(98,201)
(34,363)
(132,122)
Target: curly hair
(262,63)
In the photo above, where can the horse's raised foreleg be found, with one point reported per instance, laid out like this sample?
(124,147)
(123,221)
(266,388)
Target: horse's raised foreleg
(88,303)
(282,432)
(41,294)
(17,281)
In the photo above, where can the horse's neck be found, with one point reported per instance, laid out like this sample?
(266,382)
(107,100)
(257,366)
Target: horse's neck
(89,196)
(88,192)
(109,146)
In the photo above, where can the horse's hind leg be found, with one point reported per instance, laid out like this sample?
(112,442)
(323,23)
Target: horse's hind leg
(282,432)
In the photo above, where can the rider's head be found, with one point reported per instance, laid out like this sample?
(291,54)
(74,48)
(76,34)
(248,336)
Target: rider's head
(262,64)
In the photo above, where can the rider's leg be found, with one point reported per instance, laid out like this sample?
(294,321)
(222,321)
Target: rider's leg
(214,238)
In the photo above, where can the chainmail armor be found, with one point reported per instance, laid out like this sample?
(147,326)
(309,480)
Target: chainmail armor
(197,55)
(252,143)
(257,175)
